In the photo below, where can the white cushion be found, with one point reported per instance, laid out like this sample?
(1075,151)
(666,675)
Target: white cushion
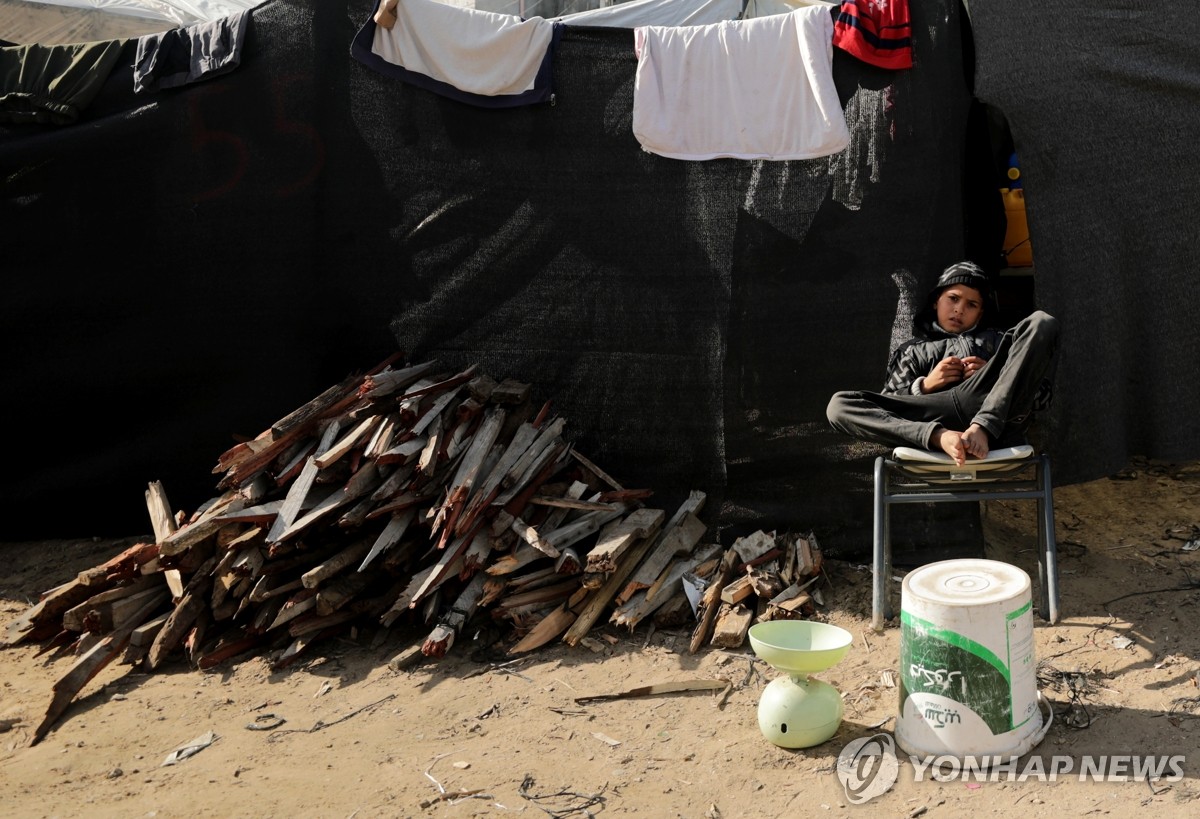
(996,456)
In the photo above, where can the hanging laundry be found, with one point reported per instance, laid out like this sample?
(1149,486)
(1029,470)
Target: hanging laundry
(878,32)
(186,55)
(478,57)
(633,13)
(747,89)
(53,85)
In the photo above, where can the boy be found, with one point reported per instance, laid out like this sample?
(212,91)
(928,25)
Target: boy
(963,386)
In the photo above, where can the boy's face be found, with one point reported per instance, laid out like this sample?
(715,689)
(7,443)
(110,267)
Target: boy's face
(959,308)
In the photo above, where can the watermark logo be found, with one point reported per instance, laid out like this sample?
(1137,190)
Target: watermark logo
(867,767)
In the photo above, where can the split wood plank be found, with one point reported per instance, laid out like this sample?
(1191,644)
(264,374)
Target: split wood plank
(204,527)
(87,667)
(391,381)
(347,442)
(335,565)
(754,545)
(390,536)
(44,618)
(710,602)
(442,637)
(642,604)
(733,622)
(549,627)
(608,552)
(597,471)
(109,610)
(678,539)
(738,590)
(298,491)
(592,606)
(125,565)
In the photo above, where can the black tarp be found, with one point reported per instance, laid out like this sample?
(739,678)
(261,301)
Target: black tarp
(193,265)
(1103,101)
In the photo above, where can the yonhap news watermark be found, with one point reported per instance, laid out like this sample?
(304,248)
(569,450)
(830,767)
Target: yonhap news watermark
(868,767)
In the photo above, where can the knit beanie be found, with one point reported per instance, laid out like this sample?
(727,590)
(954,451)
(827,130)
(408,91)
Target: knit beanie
(967,273)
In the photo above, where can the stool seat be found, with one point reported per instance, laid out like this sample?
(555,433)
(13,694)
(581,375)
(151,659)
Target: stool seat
(912,475)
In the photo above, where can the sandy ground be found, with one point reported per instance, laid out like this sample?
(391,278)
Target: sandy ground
(476,734)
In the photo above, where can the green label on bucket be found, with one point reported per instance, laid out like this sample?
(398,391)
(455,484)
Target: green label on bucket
(935,660)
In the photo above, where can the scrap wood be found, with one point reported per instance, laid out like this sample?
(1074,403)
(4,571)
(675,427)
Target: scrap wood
(594,604)
(298,491)
(661,688)
(123,566)
(99,617)
(753,545)
(293,540)
(643,604)
(248,456)
(203,527)
(640,525)
(87,667)
(549,627)
(738,590)
(181,618)
(675,541)
(44,619)
(733,622)
(597,471)
(442,637)
(389,381)
(808,555)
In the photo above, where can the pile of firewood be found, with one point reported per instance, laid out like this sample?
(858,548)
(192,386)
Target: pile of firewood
(413,496)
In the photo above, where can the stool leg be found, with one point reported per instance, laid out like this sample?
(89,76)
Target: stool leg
(881,553)
(1048,548)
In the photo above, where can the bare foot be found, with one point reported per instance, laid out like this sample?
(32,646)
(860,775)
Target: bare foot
(951,443)
(975,439)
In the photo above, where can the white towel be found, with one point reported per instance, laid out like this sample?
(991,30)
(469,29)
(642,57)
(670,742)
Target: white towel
(479,52)
(749,89)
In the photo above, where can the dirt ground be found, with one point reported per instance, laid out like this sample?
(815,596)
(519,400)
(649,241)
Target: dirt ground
(477,734)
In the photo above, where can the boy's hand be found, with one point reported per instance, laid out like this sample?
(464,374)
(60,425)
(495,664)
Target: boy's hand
(950,370)
(972,364)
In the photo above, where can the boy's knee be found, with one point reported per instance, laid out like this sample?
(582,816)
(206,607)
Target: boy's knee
(1043,325)
(835,409)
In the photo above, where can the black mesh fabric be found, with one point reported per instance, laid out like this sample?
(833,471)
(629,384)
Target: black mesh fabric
(193,265)
(1103,100)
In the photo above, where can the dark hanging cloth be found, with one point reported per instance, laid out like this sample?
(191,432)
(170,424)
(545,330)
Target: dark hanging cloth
(186,55)
(52,85)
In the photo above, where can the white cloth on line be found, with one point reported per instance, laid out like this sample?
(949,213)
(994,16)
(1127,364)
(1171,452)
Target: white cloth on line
(655,13)
(748,89)
(479,52)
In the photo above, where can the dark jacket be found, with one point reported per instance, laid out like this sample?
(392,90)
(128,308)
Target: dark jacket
(916,358)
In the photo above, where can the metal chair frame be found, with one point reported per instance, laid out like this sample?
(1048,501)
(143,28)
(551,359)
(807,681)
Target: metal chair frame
(930,479)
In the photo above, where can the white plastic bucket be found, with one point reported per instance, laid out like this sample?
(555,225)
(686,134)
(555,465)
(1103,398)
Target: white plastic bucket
(968,675)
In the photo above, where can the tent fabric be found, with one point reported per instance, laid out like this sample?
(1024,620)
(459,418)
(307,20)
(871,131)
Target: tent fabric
(173,12)
(304,217)
(317,216)
(745,89)
(1105,130)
